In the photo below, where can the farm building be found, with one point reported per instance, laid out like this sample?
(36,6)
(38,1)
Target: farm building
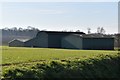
(51,39)
(69,40)
(16,43)
(76,41)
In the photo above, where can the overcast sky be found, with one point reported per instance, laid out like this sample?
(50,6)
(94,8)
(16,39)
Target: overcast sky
(61,15)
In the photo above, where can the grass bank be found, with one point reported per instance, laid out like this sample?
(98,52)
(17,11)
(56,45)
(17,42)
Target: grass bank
(103,66)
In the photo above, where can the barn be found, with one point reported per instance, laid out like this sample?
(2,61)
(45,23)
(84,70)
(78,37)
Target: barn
(69,40)
(16,43)
(50,39)
(76,41)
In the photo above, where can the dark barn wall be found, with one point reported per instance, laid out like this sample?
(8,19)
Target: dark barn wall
(98,43)
(54,40)
(72,42)
(30,43)
(40,40)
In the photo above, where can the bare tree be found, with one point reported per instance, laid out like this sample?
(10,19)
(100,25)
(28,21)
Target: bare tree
(77,30)
(20,29)
(14,28)
(89,30)
(100,30)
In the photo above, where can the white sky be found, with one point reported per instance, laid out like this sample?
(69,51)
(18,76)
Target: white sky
(61,16)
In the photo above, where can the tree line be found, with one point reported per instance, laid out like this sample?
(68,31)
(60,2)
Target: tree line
(29,31)
(9,34)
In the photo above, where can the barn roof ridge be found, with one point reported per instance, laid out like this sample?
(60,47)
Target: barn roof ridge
(21,40)
(68,32)
(91,36)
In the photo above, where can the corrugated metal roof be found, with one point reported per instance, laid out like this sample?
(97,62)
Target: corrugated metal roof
(92,36)
(60,32)
(21,40)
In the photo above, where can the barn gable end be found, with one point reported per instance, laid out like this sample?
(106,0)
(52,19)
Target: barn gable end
(41,40)
(16,43)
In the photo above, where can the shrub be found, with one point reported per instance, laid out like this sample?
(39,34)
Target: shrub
(101,67)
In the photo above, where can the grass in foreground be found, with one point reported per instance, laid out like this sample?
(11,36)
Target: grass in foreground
(93,68)
(12,55)
(58,63)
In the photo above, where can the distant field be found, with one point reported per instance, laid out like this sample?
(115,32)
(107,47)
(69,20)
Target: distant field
(12,55)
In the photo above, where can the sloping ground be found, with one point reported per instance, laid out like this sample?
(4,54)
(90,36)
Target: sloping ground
(103,66)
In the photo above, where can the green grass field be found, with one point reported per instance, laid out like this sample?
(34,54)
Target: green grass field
(12,55)
(39,63)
